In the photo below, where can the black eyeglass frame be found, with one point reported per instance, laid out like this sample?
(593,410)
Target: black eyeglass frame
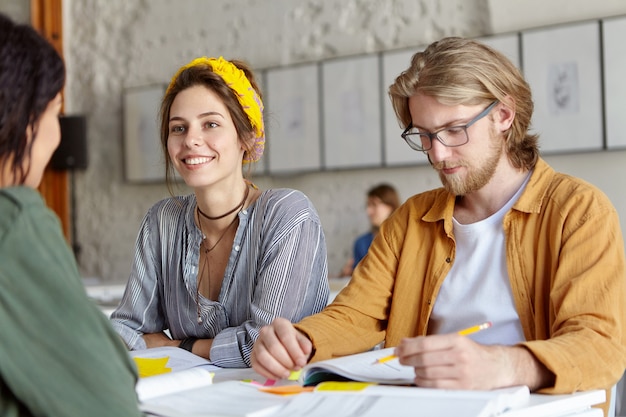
(413,145)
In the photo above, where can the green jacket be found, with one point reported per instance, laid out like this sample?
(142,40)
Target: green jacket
(59,355)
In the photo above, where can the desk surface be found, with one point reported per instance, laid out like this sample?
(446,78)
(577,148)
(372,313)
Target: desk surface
(229,394)
(561,405)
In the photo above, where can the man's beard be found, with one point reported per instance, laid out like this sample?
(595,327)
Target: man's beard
(476,178)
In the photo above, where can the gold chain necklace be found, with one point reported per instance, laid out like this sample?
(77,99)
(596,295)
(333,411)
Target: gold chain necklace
(207,249)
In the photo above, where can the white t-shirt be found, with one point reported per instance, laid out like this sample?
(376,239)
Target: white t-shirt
(477,288)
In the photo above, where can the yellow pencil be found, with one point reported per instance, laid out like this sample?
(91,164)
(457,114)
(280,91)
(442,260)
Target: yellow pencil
(463,332)
(475,329)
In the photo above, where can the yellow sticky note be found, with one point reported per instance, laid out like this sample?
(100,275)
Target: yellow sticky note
(152,366)
(294,375)
(342,386)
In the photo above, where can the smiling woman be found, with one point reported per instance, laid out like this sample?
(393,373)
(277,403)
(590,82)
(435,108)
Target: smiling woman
(199,165)
(213,267)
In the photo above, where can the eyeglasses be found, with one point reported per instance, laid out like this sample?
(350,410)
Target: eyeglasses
(448,136)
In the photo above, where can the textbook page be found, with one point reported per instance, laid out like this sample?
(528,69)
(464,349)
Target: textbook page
(377,401)
(177,359)
(231,398)
(234,398)
(159,385)
(359,367)
(167,370)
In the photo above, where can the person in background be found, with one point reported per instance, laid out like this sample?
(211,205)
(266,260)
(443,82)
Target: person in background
(382,200)
(213,267)
(60,355)
(507,239)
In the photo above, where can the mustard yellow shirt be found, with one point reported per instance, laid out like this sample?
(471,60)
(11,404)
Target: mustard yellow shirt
(565,258)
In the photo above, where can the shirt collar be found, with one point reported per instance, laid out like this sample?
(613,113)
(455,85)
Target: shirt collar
(530,201)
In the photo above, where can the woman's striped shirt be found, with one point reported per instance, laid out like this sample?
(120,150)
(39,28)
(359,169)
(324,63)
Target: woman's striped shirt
(277,268)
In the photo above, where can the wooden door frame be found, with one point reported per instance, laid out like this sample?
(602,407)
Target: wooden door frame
(46,18)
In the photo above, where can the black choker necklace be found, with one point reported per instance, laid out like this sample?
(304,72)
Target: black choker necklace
(238,207)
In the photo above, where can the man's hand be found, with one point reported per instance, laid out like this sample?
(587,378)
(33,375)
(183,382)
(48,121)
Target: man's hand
(452,361)
(280,349)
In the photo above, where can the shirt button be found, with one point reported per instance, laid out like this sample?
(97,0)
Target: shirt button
(244,211)
(237,248)
(448,260)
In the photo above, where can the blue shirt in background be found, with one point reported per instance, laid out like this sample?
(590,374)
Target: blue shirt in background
(361,245)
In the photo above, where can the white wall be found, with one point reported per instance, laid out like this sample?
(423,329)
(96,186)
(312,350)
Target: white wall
(513,15)
(603,169)
(18,10)
(116,44)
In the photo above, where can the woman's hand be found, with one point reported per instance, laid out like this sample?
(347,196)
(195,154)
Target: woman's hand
(158,340)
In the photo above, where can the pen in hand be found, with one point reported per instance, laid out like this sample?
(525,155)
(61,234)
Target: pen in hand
(463,332)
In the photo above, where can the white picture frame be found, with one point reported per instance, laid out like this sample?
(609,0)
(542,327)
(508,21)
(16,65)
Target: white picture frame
(292,119)
(143,157)
(397,151)
(614,53)
(352,135)
(562,66)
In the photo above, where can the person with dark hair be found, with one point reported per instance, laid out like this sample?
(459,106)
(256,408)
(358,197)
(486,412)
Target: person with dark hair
(213,267)
(382,200)
(60,355)
(506,240)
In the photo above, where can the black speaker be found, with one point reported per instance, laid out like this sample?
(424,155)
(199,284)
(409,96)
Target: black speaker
(72,151)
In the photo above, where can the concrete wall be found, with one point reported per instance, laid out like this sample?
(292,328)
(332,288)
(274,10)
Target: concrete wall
(116,44)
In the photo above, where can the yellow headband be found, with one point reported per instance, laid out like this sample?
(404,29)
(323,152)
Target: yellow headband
(248,98)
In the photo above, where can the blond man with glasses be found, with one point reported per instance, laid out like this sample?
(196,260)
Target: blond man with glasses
(506,239)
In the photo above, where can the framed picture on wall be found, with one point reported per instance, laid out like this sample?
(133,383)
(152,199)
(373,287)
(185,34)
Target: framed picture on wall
(562,66)
(397,152)
(352,114)
(143,159)
(614,53)
(292,119)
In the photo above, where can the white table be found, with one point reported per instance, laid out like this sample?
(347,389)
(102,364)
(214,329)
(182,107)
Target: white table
(229,392)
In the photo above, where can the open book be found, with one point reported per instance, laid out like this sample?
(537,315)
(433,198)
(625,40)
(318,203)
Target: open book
(359,367)
(168,370)
(177,383)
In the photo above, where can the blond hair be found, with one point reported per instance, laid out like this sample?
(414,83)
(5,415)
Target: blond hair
(459,71)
